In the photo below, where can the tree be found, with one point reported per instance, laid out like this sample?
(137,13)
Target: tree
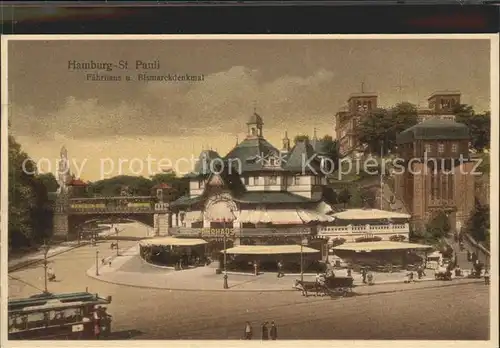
(329,195)
(49,181)
(478,225)
(344,196)
(438,227)
(478,124)
(299,138)
(356,198)
(380,128)
(30,214)
(137,186)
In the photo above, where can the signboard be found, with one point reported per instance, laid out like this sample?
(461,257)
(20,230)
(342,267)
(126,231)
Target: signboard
(217,232)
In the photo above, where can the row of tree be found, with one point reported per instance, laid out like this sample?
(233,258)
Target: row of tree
(30,211)
(380,129)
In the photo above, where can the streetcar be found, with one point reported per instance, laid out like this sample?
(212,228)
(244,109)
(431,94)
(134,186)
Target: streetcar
(73,316)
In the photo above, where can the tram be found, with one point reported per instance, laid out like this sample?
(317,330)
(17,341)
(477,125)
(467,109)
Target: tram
(73,316)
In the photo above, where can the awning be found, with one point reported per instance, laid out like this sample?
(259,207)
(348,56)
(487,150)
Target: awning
(382,245)
(164,241)
(311,215)
(269,250)
(324,208)
(369,214)
(284,216)
(254,216)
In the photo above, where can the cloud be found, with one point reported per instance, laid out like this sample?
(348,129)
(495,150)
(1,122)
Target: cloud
(223,102)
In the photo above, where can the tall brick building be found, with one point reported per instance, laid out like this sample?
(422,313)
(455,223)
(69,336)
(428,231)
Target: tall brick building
(437,172)
(358,106)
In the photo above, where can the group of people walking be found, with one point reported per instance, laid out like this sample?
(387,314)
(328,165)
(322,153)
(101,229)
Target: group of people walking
(267,332)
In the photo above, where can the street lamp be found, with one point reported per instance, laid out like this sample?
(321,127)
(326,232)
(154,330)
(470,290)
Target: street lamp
(45,248)
(226,286)
(302,257)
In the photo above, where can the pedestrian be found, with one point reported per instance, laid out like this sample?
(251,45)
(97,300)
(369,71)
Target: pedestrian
(97,323)
(369,276)
(280,269)
(349,272)
(273,332)
(255,268)
(458,271)
(363,274)
(420,272)
(486,277)
(265,331)
(51,275)
(248,331)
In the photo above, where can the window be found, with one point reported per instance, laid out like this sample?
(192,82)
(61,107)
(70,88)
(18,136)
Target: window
(246,180)
(428,148)
(296,180)
(454,147)
(441,148)
(256,180)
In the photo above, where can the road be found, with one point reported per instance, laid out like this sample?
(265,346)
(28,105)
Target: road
(457,312)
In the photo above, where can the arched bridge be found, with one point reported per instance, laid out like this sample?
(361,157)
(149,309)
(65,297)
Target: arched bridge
(72,213)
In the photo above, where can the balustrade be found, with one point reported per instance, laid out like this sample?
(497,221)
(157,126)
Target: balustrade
(364,229)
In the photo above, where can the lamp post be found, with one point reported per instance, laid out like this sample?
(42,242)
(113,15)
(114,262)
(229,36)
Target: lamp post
(226,286)
(301,257)
(46,248)
(97,262)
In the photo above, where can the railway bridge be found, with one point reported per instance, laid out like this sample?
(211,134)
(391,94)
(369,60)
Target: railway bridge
(71,214)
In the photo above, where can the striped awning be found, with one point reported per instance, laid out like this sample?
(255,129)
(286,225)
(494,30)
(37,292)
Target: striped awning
(311,215)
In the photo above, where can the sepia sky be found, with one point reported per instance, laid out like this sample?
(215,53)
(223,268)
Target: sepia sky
(296,85)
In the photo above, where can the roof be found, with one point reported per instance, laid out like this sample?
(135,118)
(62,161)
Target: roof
(434,129)
(255,119)
(439,93)
(382,245)
(185,201)
(270,250)
(302,158)
(77,182)
(247,155)
(364,94)
(270,197)
(205,163)
(173,241)
(162,186)
(369,214)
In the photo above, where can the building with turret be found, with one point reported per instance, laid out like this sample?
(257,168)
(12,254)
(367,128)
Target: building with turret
(256,189)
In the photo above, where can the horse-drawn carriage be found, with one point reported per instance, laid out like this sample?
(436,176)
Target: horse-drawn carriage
(332,286)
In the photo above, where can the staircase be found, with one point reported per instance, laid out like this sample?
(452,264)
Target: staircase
(390,201)
(469,246)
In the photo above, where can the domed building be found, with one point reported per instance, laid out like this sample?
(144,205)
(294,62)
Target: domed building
(256,195)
